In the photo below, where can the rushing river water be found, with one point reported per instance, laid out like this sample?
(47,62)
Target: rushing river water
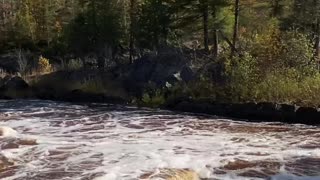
(102,142)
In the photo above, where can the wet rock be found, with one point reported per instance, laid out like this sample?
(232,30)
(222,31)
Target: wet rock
(244,110)
(259,169)
(4,163)
(9,145)
(288,113)
(170,174)
(81,96)
(308,115)
(27,142)
(217,109)
(308,166)
(239,164)
(268,111)
(184,106)
(14,143)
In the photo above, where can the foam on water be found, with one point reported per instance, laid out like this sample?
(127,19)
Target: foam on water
(7,132)
(105,142)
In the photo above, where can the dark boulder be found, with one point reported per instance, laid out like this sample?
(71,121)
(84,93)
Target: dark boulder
(268,111)
(81,96)
(9,63)
(6,79)
(157,70)
(14,87)
(244,111)
(187,74)
(288,113)
(16,83)
(1,82)
(308,115)
(183,106)
(188,106)
(220,109)
(46,93)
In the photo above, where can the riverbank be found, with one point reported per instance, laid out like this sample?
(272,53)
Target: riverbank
(254,112)
(169,81)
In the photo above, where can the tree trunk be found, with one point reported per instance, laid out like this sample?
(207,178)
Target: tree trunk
(216,43)
(317,42)
(236,26)
(132,24)
(317,31)
(206,26)
(276,8)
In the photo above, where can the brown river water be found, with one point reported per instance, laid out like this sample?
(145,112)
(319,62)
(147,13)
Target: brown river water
(45,140)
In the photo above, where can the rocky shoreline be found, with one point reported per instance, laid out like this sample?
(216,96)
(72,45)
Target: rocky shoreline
(16,88)
(258,112)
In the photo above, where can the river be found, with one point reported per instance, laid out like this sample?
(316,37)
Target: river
(102,142)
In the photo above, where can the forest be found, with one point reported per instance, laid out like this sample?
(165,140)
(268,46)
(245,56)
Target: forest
(235,50)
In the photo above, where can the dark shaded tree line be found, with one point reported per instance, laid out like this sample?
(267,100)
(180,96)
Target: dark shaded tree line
(101,27)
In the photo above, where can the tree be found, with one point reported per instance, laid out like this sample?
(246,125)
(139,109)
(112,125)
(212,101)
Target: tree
(133,27)
(204,7)
(306,17)
(221,21)
(236,25)
(154,22)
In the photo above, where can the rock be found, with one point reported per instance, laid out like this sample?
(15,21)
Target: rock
(46,93)
(157,70)
(14,88)
(288,113)
(1,82)
(245,168)
(16,83)
(14,143)
(4,163)
(308,115)
(244,110)
(184,106)
(220,109)
(268,111)
(187,74)
(9,63)
(171,174)
(6,79)
(81,96)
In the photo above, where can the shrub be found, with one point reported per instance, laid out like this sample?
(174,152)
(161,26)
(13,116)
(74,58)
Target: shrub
(44,65)
(74,64)
(241,74)
(93,86)
(155,100)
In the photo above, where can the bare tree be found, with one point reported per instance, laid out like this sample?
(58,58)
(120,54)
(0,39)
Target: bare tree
(22,60)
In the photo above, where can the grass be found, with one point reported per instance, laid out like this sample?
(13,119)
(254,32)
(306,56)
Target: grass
(88,81)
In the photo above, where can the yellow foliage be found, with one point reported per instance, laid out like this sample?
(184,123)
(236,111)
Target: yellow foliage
(44,65)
